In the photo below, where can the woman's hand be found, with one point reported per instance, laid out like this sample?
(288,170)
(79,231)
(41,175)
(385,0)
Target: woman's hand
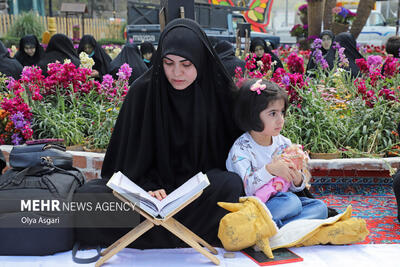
(283,168)
(159,194)
(95,74)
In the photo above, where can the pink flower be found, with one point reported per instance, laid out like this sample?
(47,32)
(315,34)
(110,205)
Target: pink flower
(124,72)
(295,63)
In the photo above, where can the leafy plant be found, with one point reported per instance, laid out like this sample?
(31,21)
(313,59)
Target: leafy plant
(315,125)
(27,23)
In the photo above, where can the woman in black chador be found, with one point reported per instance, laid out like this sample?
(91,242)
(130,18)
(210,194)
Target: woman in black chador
(129,54)
(101,59)
(176,121)
(147,50)
(30,51)
(326,37)
(9,66)
(346,40)
(226,53)
(259,47)
(59,49)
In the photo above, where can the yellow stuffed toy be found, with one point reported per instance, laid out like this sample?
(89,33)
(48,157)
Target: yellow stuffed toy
(249,223)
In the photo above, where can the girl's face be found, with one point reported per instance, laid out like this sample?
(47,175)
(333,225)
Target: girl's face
(273,118)
(326,42)
(30,50)
(180,72)
(259,50)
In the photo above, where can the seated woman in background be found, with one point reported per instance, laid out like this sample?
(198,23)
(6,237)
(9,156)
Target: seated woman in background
(348,42)
(129,54)
(226,53)
(327,39)
(59,49)
(147,50)
(101,59)
(393,46)
(259,47)
(9,66)
(30,51)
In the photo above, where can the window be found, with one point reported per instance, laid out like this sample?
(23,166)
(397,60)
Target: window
(375,19)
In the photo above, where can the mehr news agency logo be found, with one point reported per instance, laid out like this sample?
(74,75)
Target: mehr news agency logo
(54,205)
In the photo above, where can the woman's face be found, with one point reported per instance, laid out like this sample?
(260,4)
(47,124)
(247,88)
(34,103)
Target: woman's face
(326,42)
(179,71)
(147,56)
(88,49)
(259,50)
(30,50)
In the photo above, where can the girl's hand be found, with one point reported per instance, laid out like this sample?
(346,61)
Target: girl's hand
(159,194)
(282,168)
(298,179)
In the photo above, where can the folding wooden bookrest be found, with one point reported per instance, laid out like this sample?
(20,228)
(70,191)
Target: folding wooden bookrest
(169,223)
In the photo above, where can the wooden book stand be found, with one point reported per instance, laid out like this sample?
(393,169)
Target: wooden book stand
(169,223)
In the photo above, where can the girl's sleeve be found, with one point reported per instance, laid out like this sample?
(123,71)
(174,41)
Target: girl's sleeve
(239,161)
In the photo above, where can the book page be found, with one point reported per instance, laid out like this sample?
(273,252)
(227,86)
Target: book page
(183,189)
(123,185)
(119,180)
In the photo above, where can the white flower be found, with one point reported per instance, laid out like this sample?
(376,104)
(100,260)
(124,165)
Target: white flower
(86,61)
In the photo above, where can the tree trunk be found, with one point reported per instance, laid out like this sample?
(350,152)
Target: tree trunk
(329,5)
(363,10)
(315,12)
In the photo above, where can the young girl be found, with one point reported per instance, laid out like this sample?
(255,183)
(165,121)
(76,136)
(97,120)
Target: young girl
(260,112)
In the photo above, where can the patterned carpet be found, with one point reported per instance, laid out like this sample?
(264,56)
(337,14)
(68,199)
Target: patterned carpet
(371,199)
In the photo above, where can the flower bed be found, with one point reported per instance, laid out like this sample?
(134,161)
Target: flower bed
(329,112)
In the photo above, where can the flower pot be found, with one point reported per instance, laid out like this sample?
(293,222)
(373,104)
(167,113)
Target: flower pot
(303,43)
(75,148)
(303,18)
(339,27)
(334,155)
(96,150)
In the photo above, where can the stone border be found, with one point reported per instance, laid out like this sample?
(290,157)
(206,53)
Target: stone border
(90,164)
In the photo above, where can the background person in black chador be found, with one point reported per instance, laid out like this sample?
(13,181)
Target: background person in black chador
(101,59)
(346,40)
(259,47)
(59,49)
(30,51)
(129,54)
(176,120)
(9,66)
(226,53)
(147,50)
(327,37)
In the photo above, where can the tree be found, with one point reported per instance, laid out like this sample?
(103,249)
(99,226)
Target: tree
(363,11)
(329,5)
(315,12)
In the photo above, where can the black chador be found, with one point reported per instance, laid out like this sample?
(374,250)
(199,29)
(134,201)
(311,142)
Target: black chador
(30,41)
(9,66)
(99,55)
(346,40)
(164,136)
(129,54)
(59,49)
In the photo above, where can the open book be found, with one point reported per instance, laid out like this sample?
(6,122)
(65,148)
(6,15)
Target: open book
(154,207)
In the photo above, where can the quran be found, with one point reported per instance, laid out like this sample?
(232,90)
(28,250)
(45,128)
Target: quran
(151,205)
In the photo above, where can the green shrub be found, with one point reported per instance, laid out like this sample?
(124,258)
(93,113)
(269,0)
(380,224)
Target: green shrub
(108,41)
(27,23)
(9,41)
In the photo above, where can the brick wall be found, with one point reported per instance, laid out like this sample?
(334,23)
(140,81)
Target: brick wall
(90,164)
